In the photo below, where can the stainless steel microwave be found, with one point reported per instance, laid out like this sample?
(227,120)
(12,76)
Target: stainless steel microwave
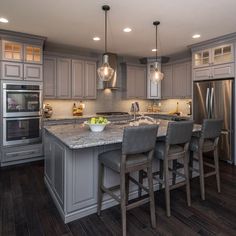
(22,99)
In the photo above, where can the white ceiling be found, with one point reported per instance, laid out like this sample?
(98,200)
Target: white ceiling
(75,22)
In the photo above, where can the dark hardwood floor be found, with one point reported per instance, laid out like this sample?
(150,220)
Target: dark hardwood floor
(26,208)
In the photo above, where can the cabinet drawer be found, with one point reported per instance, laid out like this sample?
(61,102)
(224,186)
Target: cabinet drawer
(12,70)
(223,71)
(33,72)
(20,153)
(202,73)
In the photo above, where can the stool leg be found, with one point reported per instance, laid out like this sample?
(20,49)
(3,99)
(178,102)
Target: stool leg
(140,179)
(127,187)
(216,160)
(173,173)
(100,183)
(186,172)
(190,165)
(151,196)
(201,170)
(167,187)
(161,163)
(123,202)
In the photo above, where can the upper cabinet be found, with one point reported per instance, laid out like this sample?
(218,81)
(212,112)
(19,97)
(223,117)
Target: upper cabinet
(21,56)
(213,56)
(66,78)
(212,60)
(177,82)
(33,54)
(12,51)
(136,77)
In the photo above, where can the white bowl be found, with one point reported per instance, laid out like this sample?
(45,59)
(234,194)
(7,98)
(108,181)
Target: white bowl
(96,127)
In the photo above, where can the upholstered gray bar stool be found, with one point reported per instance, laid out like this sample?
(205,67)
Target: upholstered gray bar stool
(175,147)
(207,141)
(136,154)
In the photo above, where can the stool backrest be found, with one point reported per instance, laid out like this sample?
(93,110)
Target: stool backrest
(179,132)
(139,139)
(211,128)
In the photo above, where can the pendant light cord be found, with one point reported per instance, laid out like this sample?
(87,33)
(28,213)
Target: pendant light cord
(105,31)
(156,43)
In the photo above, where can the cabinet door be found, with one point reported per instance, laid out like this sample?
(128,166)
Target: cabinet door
(166,83)
(140,82)
(223,71)
(189,79)
(11,70)
(131,93)
(202,73)
(12,51)
(90,80)
(33,54)
(63,78)
(33,72)
(223,54)
(77,79)
(49,77)
(202,58)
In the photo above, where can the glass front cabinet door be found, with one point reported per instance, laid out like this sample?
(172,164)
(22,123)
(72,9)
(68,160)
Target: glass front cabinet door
(12,51)
(202,58)
(33,54)
(223,54)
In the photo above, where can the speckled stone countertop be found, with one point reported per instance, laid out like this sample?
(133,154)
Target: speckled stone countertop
(77,136)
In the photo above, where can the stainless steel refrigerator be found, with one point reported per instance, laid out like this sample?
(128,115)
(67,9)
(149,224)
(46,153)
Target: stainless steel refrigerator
(215,99)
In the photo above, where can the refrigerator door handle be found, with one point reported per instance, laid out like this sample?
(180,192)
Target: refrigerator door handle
(211,102)
(207,102)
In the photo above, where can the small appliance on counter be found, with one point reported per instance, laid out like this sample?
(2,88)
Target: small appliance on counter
(78,111)
(47,110)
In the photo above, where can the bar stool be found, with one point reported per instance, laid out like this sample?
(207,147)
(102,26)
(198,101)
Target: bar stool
(173,148)
(136,154)
(207,141)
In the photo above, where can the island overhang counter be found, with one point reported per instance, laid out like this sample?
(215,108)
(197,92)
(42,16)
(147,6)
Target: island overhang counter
(71,166)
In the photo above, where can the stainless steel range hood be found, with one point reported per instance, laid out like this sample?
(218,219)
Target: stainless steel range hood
(112,84)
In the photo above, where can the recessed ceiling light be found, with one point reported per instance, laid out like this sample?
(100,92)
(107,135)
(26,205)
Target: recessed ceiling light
(154,50)
(196,36)
(127,30)
(96,38)
(3,20)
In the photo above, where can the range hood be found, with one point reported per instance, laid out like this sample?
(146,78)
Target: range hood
(112,84)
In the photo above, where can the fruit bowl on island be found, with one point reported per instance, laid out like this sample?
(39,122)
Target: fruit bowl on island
(97,124)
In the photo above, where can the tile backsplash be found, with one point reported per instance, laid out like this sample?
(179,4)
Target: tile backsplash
(108,100)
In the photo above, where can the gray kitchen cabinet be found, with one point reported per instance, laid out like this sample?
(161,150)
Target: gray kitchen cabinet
(33,72)
(84,79)
(203,73)
(63,78)
(136,76)
(49,77)
(166,83)
(77,79)
(90,80)
(177,82)
(12,70)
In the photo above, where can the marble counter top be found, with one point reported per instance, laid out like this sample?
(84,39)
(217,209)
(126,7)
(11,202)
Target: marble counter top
(77,136)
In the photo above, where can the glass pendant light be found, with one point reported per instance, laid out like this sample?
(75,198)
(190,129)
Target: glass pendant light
(105,72)
(155,74)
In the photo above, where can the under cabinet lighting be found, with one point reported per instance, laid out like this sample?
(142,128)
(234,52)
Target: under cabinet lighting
(96,38)
(127,30)
(154,50)
(3,20)
(196,36)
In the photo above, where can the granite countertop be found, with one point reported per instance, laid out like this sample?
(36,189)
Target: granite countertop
(77,136)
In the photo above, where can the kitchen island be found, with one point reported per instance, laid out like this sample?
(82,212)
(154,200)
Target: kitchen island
(71,166)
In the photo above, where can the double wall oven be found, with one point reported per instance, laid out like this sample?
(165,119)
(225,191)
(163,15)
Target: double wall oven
(22,105)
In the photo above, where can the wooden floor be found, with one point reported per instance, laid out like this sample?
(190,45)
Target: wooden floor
(26,208)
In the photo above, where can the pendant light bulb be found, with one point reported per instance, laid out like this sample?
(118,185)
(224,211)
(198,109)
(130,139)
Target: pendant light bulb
(155,74)
(105,72)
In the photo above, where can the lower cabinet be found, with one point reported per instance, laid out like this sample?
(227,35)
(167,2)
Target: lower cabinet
(18,154)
